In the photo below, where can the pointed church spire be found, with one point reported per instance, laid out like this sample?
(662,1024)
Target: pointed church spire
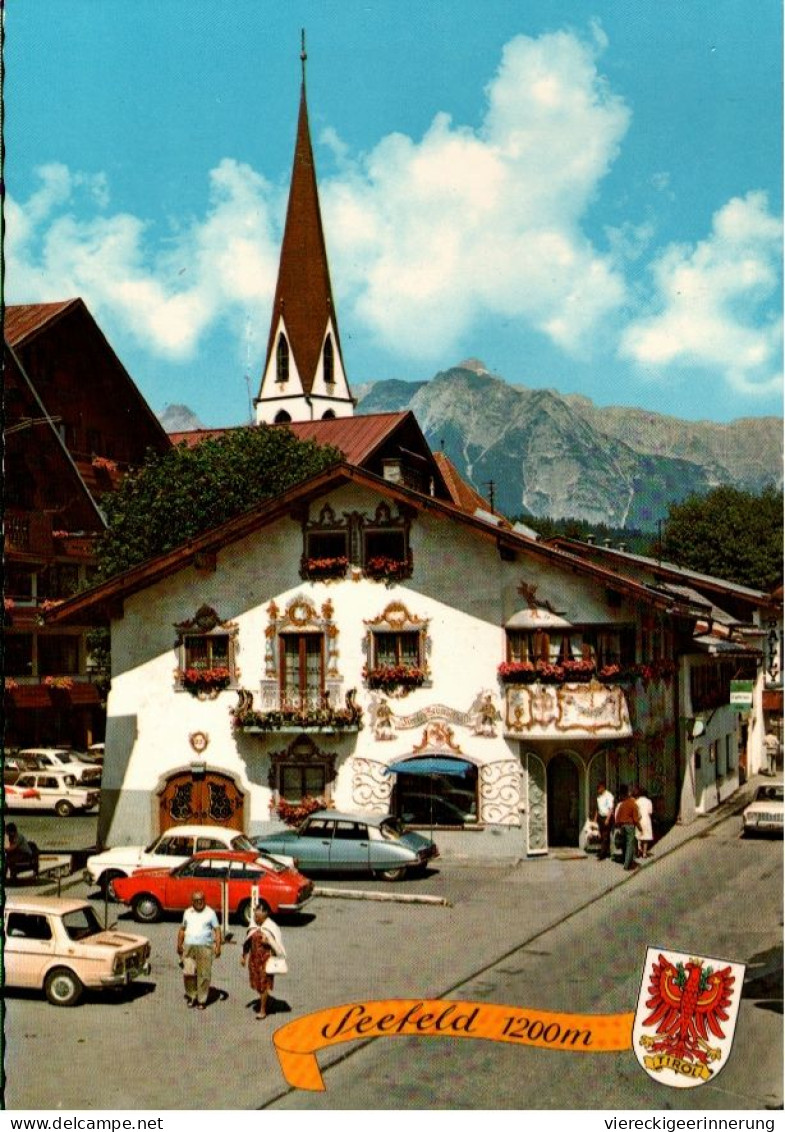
(304,362)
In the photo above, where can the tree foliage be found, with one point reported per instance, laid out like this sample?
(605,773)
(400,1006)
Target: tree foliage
(730,533)
(177,496)
(634,540)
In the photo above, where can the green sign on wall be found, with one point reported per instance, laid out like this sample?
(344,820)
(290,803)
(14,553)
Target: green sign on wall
(741,694)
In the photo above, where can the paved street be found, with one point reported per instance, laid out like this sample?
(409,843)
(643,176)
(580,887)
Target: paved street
(513,934)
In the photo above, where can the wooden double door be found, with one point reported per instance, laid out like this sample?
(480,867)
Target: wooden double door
(202,799)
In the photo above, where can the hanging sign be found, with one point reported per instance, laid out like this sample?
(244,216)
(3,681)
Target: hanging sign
(741,694)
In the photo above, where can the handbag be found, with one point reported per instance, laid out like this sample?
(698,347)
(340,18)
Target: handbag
(276,965)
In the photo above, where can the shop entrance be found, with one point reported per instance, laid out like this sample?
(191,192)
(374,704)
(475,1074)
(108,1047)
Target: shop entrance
(563,801)
(200,799)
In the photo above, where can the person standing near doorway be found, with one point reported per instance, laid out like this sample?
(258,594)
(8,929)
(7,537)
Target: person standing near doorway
(604,819)
(628,820)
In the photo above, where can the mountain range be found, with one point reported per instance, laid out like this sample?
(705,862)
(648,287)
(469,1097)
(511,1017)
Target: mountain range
(560,455)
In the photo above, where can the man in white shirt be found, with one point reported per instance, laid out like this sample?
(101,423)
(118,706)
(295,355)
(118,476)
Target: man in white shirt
(198,940)
(604,819)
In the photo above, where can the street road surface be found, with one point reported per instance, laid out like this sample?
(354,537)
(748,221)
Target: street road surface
(717,895)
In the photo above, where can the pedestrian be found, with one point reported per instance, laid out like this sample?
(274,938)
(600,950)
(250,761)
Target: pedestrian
(18,853)
(263,940)
(603,815)
(645,834)
(772,745)
(198,940)
(628,821)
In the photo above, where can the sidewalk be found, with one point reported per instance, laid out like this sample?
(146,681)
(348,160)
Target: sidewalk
(502,845)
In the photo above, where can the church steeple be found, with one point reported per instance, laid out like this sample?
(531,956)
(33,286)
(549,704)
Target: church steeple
(303,376)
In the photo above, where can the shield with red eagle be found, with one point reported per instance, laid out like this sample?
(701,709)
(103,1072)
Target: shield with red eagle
(686,1016)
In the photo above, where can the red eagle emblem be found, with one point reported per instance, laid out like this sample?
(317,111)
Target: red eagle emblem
(688,1003)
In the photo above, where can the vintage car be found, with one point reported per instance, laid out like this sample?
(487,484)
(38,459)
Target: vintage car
(49,790)
(59,944)
(173,847)
(764,813)
(56,758)
(328,841)
(248,878)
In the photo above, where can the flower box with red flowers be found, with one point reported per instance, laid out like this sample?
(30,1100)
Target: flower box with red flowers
(578,671)
(294,813)
(318,568)
(197,680)
(383,569)
(390,677)
(517,672)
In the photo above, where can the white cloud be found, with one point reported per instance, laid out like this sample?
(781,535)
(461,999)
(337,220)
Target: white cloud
(430,235)
(214,268)
(710,301)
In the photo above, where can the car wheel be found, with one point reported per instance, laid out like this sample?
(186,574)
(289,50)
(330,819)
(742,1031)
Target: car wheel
(105,883)
(244,911)
(398,873)
(146,908)
(64,809)
(62,987)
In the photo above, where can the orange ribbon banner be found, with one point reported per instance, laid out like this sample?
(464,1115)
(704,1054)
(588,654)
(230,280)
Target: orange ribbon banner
(297,1043)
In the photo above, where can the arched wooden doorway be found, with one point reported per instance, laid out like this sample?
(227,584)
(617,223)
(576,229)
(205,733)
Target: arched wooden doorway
(563,801)
(207,798)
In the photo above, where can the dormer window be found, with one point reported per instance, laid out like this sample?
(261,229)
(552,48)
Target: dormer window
(328,361)
(282,359)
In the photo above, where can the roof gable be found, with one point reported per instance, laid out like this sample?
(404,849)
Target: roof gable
(141,577)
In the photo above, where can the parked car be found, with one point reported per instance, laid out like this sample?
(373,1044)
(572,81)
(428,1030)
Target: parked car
(280,888)
(764,813)
(49,790)
(173,847)
(59,945)
(328,841)
(57,759)
(13,766)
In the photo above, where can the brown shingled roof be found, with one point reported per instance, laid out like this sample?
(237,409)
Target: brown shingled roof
(303,293)
(357,437)
(25,320)
(462,494)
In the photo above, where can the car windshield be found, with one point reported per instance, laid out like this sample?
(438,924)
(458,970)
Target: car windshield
(769,794)
(63,757)
(243,845)
(269,862)
(81,923)
(391,829)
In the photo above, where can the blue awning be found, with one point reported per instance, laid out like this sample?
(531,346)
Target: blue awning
(433,764)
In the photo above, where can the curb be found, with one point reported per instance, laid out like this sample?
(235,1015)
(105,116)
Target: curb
(380,897)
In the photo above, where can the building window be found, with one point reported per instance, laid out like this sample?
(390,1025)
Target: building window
(397,647)
(18,582)
(60,580)
(206,648)
(282,417)
(326,550)
(301,771)
(18,654)
(297,782)
(302,670)
(282,359)
(328,361)
(58,656)
(301,658)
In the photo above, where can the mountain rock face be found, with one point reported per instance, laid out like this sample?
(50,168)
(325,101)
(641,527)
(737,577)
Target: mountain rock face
(179,418)
(564,457)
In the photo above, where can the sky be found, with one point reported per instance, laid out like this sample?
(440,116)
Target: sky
(585,196)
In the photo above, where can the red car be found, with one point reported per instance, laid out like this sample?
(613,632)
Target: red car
(153,891)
